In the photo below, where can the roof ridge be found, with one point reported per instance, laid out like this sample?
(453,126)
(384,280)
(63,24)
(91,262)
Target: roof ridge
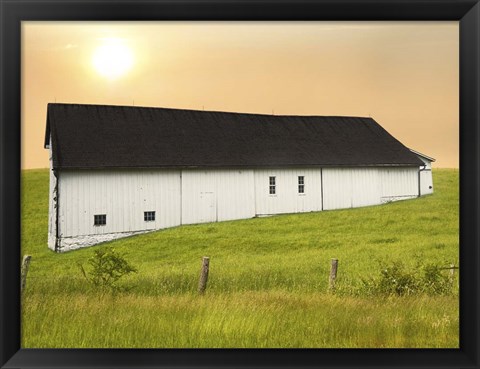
(208,111)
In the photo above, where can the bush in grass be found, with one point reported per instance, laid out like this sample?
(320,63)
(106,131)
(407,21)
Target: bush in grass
(435,281)
(106,267)
(396,279)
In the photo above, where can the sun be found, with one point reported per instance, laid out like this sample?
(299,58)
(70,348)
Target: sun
(113,58)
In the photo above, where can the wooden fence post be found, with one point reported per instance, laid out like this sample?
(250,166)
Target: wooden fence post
(202,283)
(333,274)
(452,273)
(24,271)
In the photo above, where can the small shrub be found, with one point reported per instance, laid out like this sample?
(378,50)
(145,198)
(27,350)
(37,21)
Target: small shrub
(107,266)
(396,279)
(435,281)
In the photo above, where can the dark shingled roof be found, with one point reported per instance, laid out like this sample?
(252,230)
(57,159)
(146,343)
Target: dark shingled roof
(98,136)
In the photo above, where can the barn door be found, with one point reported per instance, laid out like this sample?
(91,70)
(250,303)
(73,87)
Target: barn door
(199,199)
(300,203)
(208,207)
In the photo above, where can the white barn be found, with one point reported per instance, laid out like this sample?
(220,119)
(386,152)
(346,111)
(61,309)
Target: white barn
(118,171)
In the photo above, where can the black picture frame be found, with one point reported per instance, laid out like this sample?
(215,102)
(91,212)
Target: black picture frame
(467,12)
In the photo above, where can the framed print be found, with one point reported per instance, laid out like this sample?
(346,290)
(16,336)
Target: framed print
(240,184)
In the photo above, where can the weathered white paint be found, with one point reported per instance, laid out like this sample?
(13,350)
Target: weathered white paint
(73,243)
(199,196)
(52,204)
(217,195)
(123,195)
(287,199)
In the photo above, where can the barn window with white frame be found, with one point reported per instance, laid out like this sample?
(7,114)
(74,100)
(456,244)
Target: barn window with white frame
(273,186)
(301,184)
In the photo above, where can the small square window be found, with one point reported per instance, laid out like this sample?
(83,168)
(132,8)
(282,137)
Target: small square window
(100,219)
(272,186)
(301,184)
(149,216)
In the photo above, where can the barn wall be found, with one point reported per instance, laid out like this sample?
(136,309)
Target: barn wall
(123,195)
(198,196)
(217,195)
(287,199)
(356,187)
(399,183)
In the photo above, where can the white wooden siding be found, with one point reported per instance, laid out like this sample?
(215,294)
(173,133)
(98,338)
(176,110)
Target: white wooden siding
(350,187)
(217,195)
(366,187)
(286,198)
(398,183)
(337,188)
(123,195)
(426,182)
(356,187)
(235,194)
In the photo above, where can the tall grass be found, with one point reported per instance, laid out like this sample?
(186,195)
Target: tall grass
(268,280)
(243,319)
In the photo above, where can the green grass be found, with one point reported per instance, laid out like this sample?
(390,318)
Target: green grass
(268,280)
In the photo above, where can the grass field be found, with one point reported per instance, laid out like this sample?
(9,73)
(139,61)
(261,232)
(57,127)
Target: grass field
(267,286)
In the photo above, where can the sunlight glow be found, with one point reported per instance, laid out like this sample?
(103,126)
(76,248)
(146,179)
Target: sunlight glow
(113,58)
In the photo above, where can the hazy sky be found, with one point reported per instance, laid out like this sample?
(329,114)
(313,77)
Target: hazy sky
(403,74)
